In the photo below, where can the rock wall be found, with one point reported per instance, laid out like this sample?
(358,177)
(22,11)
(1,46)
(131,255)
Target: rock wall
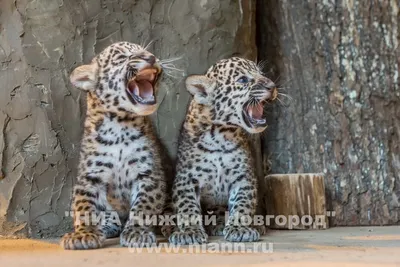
(41,114)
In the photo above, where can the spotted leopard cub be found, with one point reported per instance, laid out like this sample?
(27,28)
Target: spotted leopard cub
(120,170)
(214,163)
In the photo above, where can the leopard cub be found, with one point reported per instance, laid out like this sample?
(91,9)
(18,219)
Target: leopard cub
(215,169)
(120,170)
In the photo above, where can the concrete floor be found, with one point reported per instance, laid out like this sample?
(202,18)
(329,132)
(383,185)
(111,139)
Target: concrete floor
(356,246)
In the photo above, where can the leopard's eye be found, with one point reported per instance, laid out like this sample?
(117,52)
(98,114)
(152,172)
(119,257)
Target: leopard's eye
(243,79)
(121,57)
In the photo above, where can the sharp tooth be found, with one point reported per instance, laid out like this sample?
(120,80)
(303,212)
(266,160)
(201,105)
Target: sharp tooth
(250,112)
(136,91)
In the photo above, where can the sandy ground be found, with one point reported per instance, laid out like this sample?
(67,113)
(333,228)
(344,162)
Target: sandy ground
(356,246)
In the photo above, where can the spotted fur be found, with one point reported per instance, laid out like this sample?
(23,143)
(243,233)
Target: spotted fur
(215,168)
(120,167)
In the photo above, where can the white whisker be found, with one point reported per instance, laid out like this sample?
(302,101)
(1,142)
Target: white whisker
(150,43)
(281,102)
(276,80)
(172,68)
(141,43)
(170,75)
(169,60)
(282,84)
(286,95)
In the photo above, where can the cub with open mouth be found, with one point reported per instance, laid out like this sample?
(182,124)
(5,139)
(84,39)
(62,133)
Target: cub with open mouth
(261,92)
(120,169)
(215,169)
(141,87)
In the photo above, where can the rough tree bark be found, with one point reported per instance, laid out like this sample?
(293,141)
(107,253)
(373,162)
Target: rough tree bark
(339,61)
(41,41)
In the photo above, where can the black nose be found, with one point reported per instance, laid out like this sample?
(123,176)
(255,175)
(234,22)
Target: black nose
(151,59)
(267,83)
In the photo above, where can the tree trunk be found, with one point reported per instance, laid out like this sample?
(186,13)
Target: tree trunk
(296,201)
(41,114)
(339,62)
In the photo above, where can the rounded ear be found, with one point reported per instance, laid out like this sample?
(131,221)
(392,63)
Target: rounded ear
(84,77)
(200,87)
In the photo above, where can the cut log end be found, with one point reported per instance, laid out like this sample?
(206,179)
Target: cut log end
(296,201)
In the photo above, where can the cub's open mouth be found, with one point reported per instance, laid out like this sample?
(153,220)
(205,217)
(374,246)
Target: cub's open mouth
(254,115)
(141,88)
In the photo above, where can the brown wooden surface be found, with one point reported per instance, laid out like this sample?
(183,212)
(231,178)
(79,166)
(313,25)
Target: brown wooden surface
(300,198)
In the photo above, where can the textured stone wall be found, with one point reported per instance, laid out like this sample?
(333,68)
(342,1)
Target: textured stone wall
(339,61)
(41,114)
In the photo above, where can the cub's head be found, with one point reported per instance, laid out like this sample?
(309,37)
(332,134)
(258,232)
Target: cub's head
(236,90)
(123,77)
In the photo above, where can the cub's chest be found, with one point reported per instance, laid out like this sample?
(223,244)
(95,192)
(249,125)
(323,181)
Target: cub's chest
(220,152)
(126,147)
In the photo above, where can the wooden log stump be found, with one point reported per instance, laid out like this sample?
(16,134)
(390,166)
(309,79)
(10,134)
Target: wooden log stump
(296,201)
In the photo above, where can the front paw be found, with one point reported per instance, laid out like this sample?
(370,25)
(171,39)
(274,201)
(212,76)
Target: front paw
(188,236)
(82,240)
(241,234)
(137,237)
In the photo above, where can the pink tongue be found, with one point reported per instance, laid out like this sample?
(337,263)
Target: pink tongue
(145,89)
(256,112)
